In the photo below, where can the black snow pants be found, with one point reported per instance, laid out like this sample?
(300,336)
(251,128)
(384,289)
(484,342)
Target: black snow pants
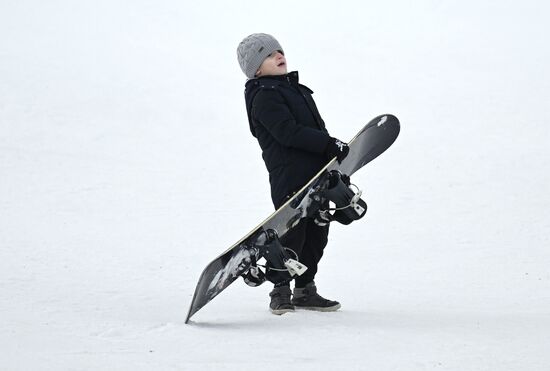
(307,240)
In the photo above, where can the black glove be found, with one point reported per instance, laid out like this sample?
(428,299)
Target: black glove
(336,148)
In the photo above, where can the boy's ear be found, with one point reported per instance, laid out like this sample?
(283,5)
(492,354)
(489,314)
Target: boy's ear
(258,73)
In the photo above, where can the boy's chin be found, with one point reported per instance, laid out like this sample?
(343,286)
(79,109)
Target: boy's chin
(277,72)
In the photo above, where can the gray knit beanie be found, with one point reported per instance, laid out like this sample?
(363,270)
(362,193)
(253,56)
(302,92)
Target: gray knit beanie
(253,50)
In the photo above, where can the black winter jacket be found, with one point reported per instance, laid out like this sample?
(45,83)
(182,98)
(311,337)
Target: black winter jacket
(284,118)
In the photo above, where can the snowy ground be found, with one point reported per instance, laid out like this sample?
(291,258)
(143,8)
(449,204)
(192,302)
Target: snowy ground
(126,165)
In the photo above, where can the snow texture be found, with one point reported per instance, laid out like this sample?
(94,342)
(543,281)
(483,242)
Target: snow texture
(126,165)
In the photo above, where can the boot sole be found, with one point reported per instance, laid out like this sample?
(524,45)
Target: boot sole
(279,312)
(334,308)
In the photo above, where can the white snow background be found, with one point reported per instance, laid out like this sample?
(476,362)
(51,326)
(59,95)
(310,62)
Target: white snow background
(126,165)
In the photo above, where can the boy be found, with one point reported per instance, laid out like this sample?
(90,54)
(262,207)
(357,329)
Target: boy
(295,146)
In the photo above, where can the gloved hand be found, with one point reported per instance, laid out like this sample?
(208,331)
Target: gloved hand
(336,148)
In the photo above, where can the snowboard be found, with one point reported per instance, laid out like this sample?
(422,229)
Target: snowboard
(371,141)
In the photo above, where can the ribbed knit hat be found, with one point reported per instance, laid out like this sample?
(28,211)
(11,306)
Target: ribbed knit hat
(253,50)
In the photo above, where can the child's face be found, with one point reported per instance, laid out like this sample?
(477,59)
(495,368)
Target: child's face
(274,64)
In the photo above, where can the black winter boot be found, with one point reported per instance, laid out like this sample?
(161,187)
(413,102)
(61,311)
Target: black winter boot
(308,298)
(280,300)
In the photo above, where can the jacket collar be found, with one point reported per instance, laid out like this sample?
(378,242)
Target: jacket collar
(252,85)
(291,77)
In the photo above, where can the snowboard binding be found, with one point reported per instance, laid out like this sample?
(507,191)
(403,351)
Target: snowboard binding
(254,276)
(345,195)
(280,265)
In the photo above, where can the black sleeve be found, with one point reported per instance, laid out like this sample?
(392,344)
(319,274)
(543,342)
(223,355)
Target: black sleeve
(272,112)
